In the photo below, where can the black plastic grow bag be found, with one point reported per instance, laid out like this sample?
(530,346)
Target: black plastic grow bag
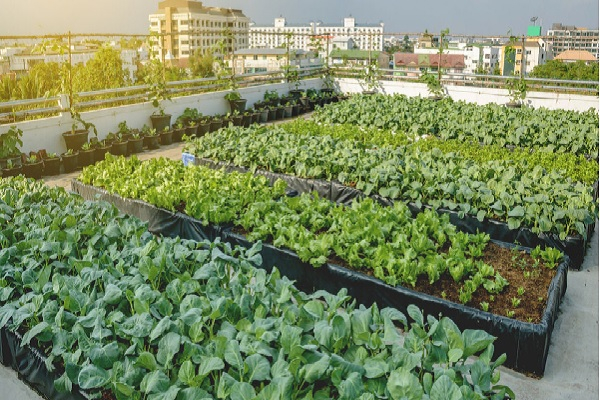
(525,344)
(30,365)
(573,246)
(160,221)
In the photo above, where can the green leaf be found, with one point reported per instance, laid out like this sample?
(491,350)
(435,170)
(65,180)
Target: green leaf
(444,389)
(242,391)
(315,371)
(33,332)
(168,346)
(258,368)
(160,328)
(233,355)
(187,373)
(375,368)
(146,360)
(210,364)
(404,385)
(518,211)
(106,356)
(155,382)
(475,341)
(193,393)
(351,387)
(92,377)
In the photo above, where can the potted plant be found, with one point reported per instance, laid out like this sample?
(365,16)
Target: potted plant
(124,130)
(287,110)
(178,131)
(271,97)
(33,166)
(78,135)
(119,145)
(204,126)
(86,154)
(434,86)
(151,138)
(236,118)
(51,163)
(101,148)
(70,160)
(370,76)
(216,123)
(235,101)
(292,76)
(517,91)
(10,143)
(264,115)
(157,93)
(11,168)
(192,128)
(136,142)
(166,136)
(328,84)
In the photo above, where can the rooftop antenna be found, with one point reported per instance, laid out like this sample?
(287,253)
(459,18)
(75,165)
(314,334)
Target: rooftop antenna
(533,19)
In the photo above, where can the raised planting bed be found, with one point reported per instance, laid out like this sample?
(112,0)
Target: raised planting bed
(555,131)
(395,248)
(551,206)
(573,246)
(126,314)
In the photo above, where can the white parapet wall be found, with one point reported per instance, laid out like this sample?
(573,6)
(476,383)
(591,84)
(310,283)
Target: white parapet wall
(47,133)
(479,95)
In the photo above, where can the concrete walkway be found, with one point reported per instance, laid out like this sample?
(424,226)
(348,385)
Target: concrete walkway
(572,365)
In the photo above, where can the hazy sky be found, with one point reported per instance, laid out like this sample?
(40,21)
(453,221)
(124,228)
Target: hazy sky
(478,17)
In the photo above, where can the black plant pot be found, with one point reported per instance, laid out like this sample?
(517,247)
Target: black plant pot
(74,140)
(264,116)
(100,152)
(166,138)
(119,148)
(135,146)
(237,120)
(51,166)
(152,142)
(191,131)
(178,135)
(70,162)
(34,170)
(237,105)
(203,129)
(15,161)
(87,157)
(14,171)
(215,125)
(160,122)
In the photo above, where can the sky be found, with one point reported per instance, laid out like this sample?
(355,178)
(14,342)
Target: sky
(474,17)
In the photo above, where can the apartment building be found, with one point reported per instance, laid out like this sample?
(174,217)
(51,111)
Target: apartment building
(185,26)
(569,37)
(317,36)
(248,61)
(477,57)
(524,55)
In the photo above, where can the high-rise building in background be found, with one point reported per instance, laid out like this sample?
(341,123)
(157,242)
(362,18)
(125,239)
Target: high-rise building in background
(187,26)
(318,36)
(569,37)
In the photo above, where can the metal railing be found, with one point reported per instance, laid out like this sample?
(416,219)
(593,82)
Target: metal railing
(19,110)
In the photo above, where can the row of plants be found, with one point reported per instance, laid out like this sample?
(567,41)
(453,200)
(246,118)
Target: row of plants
(121,313)
(385,242)
(556,131)
(576,167)
(541,200)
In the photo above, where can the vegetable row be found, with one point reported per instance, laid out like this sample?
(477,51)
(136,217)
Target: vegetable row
(120,310)
(497,189)
(575,167)
(554,131)
(384,241)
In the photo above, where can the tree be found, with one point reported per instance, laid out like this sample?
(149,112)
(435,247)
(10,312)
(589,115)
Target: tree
(201,64)
(407,46)
(103,71)
(557,69)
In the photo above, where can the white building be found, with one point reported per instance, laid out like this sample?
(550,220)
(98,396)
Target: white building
(477,56)
(187,26)
(317,36)
(569,37)
(248,61)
